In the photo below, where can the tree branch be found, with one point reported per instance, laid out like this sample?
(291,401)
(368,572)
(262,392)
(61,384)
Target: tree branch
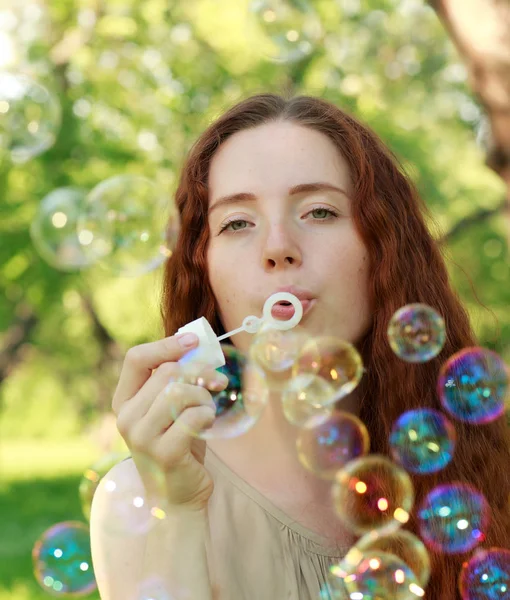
(477,217)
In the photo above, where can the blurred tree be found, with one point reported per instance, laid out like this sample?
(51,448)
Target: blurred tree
(138,82)
(481,31)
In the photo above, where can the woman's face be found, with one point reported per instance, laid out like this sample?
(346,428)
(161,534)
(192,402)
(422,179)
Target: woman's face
(275,238)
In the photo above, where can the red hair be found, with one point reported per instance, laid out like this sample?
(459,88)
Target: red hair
(406,266)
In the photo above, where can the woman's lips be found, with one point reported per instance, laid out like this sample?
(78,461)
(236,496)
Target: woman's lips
(284,313)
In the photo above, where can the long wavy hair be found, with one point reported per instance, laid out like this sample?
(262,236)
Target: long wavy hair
(406,266)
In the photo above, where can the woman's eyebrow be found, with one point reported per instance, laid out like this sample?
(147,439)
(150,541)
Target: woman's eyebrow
(301,188)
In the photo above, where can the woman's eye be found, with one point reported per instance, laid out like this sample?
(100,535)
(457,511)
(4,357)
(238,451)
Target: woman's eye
(233,225)
(321,213)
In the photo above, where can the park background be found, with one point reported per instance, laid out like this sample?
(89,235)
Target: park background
(137,83)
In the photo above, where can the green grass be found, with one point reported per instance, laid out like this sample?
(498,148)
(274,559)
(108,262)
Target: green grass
(38,488)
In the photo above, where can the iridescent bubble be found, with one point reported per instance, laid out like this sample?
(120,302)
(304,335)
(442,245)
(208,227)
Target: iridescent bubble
(30,116)
(323,447)
(453,518)
(275,350)
(93,475)
(53,230)
(292,29)
(486,575)
(131,510)
(62,560)
(127,225)
(373,493)
(377,575)
(334,360)
(240,405)
(472,385)
(305,397)
(423,440)
(401,543)
(416,333)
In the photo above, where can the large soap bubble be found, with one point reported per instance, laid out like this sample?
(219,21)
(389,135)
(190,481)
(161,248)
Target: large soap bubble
(472,385)
(486,575)
(453,518)
(62,560)
(93,475)
(30,116)
(372,493)
(416,333)
(377,575)
(240,405)
(423,440)
(127,226)
(53,230)
(324,447)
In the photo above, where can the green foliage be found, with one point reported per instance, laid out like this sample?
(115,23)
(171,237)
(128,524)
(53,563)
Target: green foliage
(138,82)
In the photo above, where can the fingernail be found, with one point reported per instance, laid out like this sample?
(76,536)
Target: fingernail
(186,340)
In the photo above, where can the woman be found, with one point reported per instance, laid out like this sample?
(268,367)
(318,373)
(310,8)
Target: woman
(281,193)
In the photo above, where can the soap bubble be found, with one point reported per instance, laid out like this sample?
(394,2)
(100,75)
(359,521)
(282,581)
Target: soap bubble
(305,397)
(323,447)
(30,116)
(378,575)
(334,360)
(53,230)
(453,518)
(62,560)
(93,475)
(423,440)
(472,385)
(401,543)
(293,29)
(373,493)
(240,405)
(486,575)
(132,511)
(123,225)
(276,350)
(416,333)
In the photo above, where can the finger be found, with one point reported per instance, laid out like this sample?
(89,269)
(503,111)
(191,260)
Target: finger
(141,360)
(167,408)
(175,443)
(136,408)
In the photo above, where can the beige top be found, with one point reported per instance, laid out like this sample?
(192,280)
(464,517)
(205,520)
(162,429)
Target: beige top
(259,552)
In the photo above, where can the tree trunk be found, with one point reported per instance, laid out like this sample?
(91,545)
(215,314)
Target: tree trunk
(480,29)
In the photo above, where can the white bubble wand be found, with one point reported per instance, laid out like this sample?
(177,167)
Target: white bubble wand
(209,350)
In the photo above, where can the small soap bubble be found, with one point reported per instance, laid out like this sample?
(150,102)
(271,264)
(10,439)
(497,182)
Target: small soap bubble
(423,440)
(373,493)
(486,575)
(292,29)
(127,226)
(93,475)
(275,350)
(53,230)
(472,385)
(336,361)
(132,511)
(453,518)
(401,543)
(305,397)
(416,333)
(30,116)
(323,447)
(376,575)
(62,560)
(241,404)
